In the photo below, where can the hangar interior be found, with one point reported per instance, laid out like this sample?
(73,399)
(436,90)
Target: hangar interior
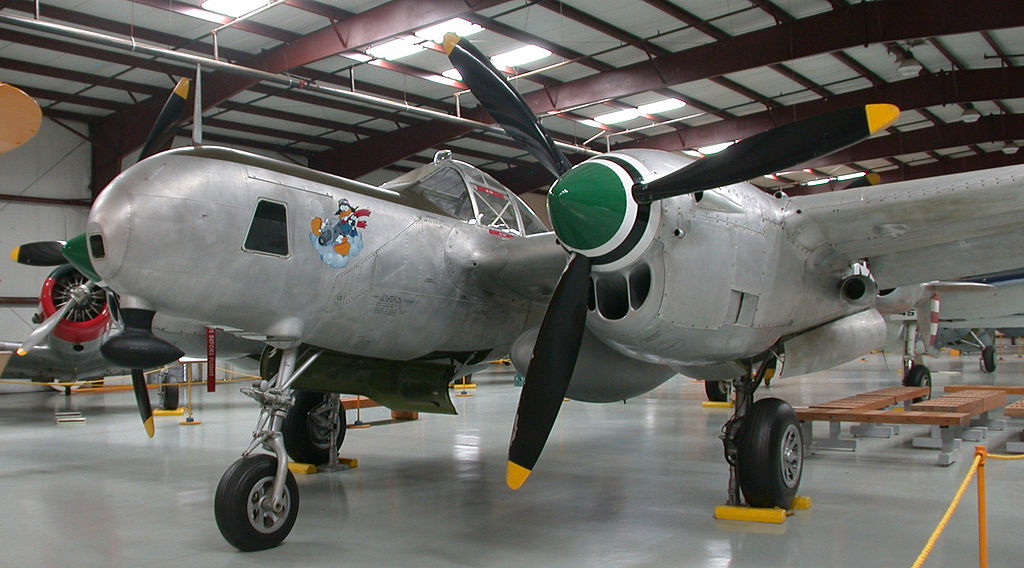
(629,484)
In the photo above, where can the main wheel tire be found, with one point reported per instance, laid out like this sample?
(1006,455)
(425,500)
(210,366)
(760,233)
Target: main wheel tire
(919,376)
(770,454)
(306,428)
(718,391)
(170,396)
(238,506)
(988,359)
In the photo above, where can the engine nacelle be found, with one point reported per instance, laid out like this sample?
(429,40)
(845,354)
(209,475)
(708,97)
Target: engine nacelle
(602,374)
(833,344)
(858,289)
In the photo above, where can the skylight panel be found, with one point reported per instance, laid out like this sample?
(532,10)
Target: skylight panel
(452,74)
(618,116)
(233,8)
(661,106)
(520,56)
(396,48)
(715,148)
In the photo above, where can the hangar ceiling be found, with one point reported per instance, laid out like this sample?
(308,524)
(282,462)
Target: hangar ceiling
(611,75)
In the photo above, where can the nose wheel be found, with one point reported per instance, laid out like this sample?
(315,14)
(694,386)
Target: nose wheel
(247,515)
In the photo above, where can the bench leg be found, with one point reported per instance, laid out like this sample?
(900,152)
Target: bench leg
(868,430)
(834,442)
(987,422)
(936,440)
(1016,446)
(950,444)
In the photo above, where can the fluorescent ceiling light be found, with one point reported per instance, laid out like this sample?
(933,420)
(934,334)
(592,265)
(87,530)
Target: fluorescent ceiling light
(520,56)
(457,26)
(821,181)
(661,106)
(233,8)
(452,74)
(693,153)
(396,48)
(970,114)
(618,116)
(715,148)
(593,123)
(854,175)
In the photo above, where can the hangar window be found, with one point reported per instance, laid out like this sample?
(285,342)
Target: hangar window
(268,231)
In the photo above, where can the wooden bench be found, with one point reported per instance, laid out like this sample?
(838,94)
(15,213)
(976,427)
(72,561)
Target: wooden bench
(1008,389)
(948,417)
(873,400)
(1015,410)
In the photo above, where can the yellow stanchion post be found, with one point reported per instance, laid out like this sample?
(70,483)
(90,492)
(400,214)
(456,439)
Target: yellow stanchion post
(359,420)
(982,452)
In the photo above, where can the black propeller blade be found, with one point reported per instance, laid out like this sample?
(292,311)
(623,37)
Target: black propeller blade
(162,133)
(504,104)
(137,348)
(142,400)
(772,151)
(547,379)
(43,253)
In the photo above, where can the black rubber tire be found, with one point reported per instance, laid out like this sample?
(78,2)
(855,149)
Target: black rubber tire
(239,491)
(171,396)
(770,454)
(919,376)
(718,391)
(988,359)
(304,440)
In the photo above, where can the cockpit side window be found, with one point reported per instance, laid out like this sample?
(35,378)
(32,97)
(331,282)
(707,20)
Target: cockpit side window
(268,231)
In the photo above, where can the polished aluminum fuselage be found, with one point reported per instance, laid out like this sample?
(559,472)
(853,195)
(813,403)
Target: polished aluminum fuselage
(175,230)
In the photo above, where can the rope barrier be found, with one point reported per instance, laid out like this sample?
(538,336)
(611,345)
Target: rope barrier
(977,467)
(241,377)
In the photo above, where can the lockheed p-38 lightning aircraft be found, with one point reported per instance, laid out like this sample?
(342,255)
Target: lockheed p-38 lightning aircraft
(391,292)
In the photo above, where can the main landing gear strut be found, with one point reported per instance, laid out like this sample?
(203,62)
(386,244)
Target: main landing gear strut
(763,446)
(257,499)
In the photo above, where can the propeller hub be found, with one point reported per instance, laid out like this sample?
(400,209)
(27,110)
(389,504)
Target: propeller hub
(594,213)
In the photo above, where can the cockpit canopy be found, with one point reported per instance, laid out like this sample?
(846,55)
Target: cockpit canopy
(464,192)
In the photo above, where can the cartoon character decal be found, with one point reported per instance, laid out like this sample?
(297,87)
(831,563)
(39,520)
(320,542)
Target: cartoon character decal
(336,240)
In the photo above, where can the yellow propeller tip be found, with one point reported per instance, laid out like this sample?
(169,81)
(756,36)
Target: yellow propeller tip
(14,253)
(873,178)
(881,116)
(450,40)
(515,475)
(181,89)
(150,430)
(21,352)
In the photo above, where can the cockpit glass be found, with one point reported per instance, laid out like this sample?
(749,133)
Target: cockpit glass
(445,189)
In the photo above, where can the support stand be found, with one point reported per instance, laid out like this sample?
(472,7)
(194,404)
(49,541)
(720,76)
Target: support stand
(189,420)
(359,422)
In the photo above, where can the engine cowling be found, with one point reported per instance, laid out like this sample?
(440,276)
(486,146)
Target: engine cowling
(83,323)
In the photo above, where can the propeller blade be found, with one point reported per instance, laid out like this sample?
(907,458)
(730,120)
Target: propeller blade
(44,329)
(504,104)
(162,133)
(547,379)
(142,400)
(772,151)
(43,253)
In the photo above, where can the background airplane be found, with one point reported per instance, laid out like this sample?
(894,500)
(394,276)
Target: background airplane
(676,266)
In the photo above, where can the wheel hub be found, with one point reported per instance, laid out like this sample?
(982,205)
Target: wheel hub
(262,514)
(792,456)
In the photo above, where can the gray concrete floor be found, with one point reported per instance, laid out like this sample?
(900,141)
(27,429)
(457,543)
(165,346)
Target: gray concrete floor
(619,485)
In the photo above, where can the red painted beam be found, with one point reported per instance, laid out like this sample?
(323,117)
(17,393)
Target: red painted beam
(120,132)
(915,93)
(852,26)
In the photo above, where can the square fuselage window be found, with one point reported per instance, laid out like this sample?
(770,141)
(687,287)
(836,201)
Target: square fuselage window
(268,232)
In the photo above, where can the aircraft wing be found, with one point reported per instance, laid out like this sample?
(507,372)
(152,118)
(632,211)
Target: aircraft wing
(942,228)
